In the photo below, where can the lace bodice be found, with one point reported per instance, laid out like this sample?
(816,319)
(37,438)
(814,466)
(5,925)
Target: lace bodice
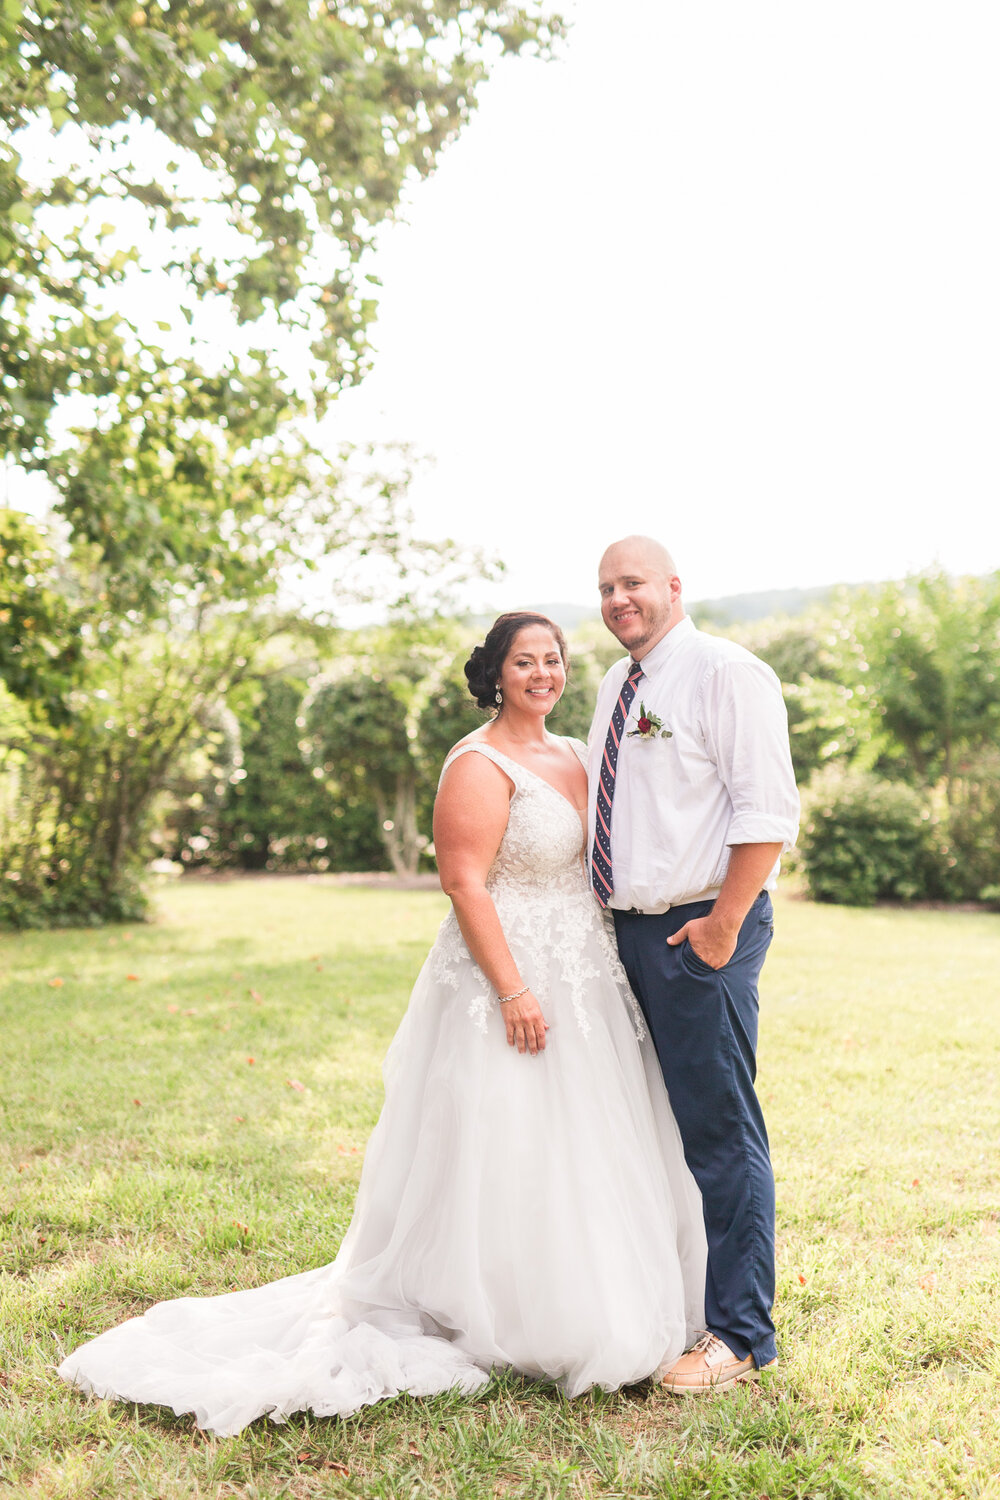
(542,895)
(542,846)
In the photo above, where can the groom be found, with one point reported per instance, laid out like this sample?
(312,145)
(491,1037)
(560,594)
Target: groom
(692,802)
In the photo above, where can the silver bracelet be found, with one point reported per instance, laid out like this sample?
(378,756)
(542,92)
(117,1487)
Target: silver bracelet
(502,999)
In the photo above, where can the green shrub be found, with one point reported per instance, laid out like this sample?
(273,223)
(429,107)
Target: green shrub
(864,839)
(974,830)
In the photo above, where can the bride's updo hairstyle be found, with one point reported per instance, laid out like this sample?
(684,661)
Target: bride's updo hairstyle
(482,670)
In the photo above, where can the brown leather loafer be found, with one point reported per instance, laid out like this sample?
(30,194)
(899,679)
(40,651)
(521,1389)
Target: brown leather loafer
(709,1365)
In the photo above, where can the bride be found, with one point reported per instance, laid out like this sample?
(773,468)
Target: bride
(524,1200)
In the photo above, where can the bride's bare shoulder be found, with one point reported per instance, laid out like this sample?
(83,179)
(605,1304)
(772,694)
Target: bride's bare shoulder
(472,771)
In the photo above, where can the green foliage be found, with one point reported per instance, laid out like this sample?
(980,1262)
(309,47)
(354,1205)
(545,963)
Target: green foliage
(71,841)
(376,725)
(829,715)
(181,579)
(264,143)
(974,829)
(864,839)
(246,799)
(275,813)
(902,682)
(80,792)
(381,723)
(575,709)
(41,622)
(931,652)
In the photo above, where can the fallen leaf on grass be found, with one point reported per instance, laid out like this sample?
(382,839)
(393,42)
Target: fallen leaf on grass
(347,1151)
(189,1012)
(293,1083)
(928,1283)
(173,1009)
(411,1447)
(240,1119)
(319,968)
(316,1462)
(131,976)
(137,1103)
(256,995)
(56,984)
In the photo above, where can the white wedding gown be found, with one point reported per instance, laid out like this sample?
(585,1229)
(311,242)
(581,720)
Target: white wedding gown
(533,1212)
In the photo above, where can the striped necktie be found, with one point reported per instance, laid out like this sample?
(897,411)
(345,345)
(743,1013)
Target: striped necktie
(600,859)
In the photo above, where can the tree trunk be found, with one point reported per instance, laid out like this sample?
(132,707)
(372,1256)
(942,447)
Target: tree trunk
(400,837)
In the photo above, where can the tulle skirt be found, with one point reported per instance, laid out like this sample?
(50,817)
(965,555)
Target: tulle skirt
(514,1211)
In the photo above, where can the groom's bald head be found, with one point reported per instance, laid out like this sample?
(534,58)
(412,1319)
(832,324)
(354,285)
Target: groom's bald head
(644,550)
(640,592)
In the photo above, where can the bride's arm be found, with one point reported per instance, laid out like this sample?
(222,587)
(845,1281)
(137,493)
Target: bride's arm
(470,816)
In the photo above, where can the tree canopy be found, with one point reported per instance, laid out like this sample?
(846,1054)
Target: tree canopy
(170,168)
(263,140)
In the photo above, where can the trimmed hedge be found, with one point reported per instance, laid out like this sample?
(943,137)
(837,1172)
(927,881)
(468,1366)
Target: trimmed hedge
(865,839)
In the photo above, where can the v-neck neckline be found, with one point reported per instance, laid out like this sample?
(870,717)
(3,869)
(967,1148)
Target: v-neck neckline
(581,812)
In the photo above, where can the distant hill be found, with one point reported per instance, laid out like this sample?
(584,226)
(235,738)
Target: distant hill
(732,609)
(737,609)
(569,616)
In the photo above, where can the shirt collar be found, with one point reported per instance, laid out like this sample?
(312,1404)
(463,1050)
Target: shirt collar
(664,649)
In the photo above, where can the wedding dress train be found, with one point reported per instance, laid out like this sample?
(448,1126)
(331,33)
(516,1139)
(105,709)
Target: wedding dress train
(533,1212)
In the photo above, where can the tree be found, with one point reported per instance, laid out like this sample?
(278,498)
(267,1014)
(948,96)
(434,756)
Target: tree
(41,619)
(246,798)
(278,132)
(829,714)
(932,657)
(378,726)
(189,488)
(157,652)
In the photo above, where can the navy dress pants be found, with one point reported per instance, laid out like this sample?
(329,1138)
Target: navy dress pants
(703,1022)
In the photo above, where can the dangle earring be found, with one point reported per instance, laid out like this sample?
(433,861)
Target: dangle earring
(499,697)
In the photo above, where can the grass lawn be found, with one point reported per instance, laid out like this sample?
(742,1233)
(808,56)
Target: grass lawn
(185,1106)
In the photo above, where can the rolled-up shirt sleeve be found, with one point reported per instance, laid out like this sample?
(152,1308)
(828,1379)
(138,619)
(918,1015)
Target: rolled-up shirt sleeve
(745,725)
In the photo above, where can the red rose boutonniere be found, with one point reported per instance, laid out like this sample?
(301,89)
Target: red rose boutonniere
(649,726)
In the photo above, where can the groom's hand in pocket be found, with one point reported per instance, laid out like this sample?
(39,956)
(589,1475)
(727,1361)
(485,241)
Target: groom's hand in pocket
(711,939)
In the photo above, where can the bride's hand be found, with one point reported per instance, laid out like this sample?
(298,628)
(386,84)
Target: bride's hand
(526,1026)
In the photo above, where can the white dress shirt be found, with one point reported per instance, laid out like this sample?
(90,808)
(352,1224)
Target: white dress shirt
(723,777)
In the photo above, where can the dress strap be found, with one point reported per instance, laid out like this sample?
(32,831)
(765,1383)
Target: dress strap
(580,748)
(509,767)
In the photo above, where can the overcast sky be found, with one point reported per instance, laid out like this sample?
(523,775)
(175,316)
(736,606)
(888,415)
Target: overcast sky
(726,273)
